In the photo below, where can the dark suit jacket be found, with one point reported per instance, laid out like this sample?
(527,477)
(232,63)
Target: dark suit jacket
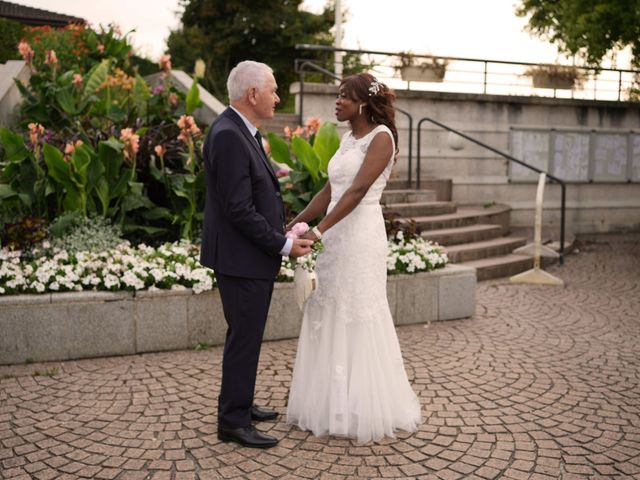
(244,214)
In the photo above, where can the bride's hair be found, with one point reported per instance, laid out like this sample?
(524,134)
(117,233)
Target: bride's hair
(365,88)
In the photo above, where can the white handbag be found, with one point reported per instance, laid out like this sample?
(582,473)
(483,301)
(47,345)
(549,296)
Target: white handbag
(304,283)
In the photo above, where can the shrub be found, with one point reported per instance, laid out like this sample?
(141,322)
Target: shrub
(85,234)
(10,34)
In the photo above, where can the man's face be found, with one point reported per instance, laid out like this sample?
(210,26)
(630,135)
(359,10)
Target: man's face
(265,99)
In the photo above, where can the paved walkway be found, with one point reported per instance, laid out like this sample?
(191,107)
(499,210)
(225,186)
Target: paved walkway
(543,383)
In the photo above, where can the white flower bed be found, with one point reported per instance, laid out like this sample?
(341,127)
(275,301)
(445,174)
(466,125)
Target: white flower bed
(171,266)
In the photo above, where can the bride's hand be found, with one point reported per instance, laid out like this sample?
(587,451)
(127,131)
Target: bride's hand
(309,236)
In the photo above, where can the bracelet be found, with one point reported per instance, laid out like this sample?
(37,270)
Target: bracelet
(316,231)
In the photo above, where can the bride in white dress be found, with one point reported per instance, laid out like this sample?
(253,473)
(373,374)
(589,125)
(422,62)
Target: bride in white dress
(349,378)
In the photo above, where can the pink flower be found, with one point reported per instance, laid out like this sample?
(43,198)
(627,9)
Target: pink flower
(165,63)
(26,51)
(282,172)
(287,132)
(100,48)
(131,142)
(77,80)
(185,122)
(50,57)
(69,148)
(298,229)
(188,128)
(298,132)
(35,130)
(160,150)
(313,124)
(173,99)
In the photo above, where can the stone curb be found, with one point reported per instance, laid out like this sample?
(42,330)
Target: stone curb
(73,325)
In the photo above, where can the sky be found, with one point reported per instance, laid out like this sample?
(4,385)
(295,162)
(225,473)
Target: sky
(461,28)
(484,29)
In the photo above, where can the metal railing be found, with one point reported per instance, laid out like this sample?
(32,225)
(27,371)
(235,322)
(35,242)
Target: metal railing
(563,185)
(485,76)
(302,66)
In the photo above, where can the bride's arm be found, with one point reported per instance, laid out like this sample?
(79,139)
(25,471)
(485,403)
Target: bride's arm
(377,158)
(317,206)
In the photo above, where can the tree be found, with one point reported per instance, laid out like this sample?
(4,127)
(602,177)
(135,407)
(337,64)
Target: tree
(10,34)
(225,32)
(591,29)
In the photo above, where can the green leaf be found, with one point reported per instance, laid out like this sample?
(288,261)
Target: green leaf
(102,192)
(141,95)
(298,177)
(326,144)
(280,151)
(158,213)
(132,227)
(58,169)
(305,155)
(96,77)
(67,102)
(72,201)
(14,148)
(135,198)
(6,191)
(193,98)
(63,223)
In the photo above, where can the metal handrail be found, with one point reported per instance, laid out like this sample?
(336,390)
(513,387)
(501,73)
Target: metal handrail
(484,62)
(300,67)
(563,185)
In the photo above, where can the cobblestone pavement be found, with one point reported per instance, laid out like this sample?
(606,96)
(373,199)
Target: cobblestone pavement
(542,383)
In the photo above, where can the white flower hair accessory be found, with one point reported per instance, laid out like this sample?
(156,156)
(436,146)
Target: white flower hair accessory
(374,88)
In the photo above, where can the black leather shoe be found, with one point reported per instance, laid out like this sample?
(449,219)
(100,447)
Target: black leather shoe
(260,414)
(247,437)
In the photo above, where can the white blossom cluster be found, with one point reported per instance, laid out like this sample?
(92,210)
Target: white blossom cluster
(171,266)
(414,255)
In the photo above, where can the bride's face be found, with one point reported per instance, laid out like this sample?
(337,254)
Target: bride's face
(346,108)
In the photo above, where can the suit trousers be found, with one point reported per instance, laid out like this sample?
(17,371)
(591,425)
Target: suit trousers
(245,302)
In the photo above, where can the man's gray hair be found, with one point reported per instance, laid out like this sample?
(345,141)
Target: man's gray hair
(245,75)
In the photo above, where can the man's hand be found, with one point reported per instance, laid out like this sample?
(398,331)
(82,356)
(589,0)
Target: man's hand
(300,247)
(309,236)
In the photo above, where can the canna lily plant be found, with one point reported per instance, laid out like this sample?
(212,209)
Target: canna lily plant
(306,151)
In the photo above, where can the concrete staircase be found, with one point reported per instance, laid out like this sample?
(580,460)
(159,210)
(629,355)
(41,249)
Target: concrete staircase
(477,236)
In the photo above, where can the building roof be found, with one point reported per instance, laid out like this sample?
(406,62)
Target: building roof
(35,16)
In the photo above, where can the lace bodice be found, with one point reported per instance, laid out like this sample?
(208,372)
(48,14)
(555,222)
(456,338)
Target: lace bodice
(346,163)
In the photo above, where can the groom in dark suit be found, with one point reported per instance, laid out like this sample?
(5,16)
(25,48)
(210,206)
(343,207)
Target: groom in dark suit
(243,242)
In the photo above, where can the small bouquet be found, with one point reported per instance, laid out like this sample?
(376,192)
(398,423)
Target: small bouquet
(304,280)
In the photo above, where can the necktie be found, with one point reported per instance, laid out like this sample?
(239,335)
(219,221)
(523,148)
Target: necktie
(259,139)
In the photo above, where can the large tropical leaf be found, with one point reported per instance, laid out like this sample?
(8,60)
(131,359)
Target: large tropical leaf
(141,95)
(280,151)
(326,144)
(193,98)
(96,77)
(307,156)
(14,148)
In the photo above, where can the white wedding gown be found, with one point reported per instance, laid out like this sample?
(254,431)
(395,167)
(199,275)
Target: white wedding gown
(349,378)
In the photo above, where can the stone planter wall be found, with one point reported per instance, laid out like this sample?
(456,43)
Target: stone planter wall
(65,326)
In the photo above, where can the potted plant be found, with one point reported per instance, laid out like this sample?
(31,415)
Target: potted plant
(555,76)
(430,69)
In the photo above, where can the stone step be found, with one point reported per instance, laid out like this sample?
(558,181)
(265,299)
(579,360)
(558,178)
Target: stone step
(420,209)
(503,266)
(465,216)
(470,233)
(494,247)
(441,186)
(407,195)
